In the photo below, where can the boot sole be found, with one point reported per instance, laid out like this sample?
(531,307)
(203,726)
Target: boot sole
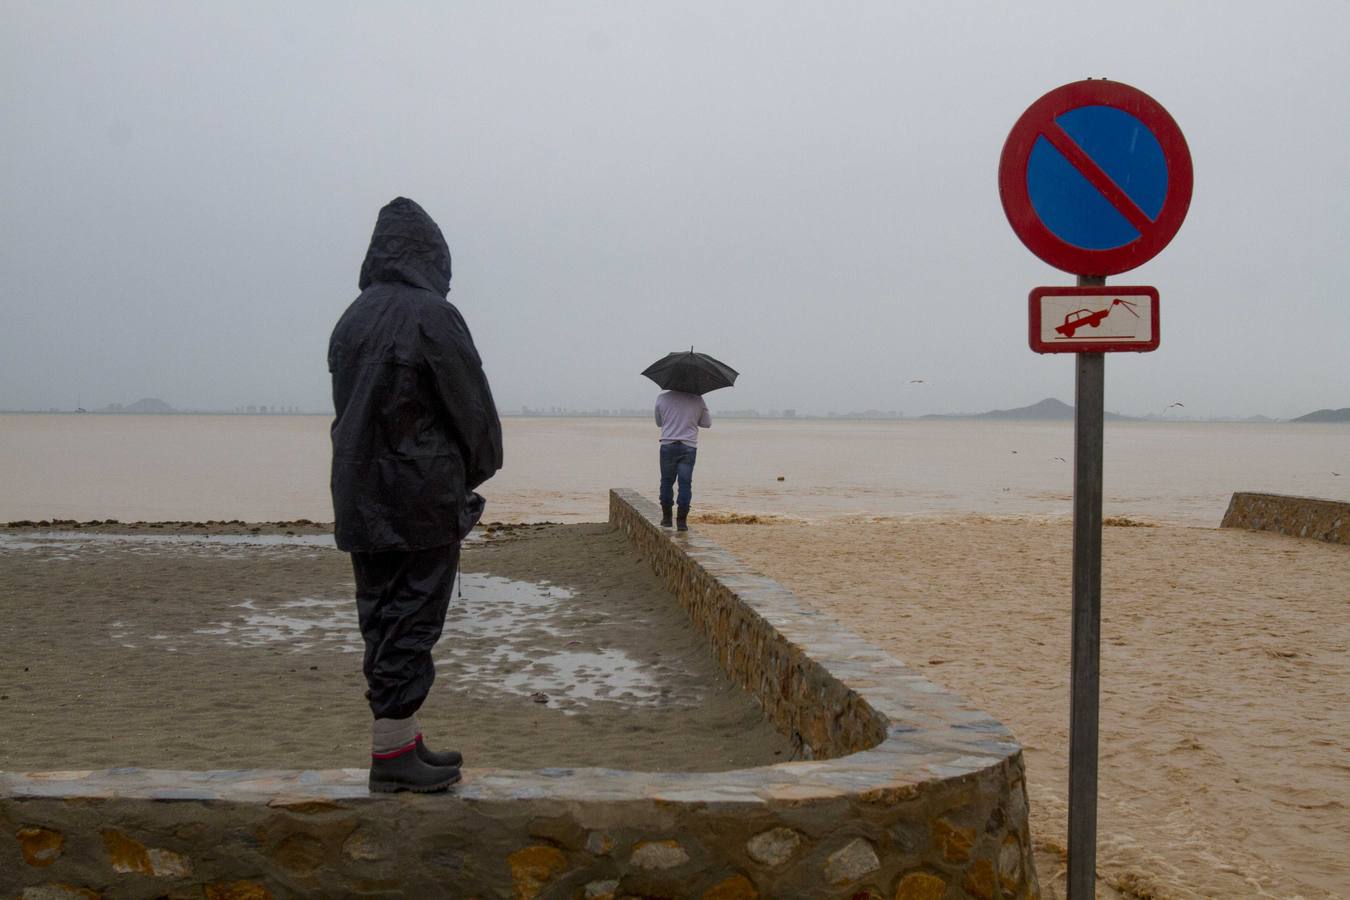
(393,787)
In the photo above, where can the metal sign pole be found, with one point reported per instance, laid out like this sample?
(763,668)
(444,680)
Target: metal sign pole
(1087,613)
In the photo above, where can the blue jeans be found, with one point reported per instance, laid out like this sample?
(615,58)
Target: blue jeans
(677,462)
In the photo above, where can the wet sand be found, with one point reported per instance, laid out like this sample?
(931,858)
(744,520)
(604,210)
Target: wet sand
(1225,737)
(235,645)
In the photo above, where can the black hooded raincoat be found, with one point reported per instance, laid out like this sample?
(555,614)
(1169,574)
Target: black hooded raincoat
(416,430)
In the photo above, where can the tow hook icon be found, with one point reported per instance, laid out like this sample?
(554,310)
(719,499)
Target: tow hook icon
(1080,317)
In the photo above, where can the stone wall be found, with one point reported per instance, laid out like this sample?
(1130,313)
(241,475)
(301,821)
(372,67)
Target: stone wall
(904,792)
(1325,520)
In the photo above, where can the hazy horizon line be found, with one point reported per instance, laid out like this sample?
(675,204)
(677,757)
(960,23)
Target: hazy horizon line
(786,414)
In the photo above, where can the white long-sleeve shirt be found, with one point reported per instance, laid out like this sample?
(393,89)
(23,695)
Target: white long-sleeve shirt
(680,415)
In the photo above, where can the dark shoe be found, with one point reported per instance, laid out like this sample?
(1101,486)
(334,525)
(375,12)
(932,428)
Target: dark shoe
(665,514)
(450,758)
(682,519)
(406,772)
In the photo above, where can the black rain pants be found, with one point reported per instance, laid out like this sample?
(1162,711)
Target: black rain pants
(401,600)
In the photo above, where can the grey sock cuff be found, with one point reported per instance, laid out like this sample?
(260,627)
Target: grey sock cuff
(390,735)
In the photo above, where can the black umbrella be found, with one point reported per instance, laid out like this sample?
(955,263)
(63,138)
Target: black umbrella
(696,373)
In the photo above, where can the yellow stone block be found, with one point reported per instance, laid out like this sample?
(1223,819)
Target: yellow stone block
(979,880)
(737,887)
(954,842)
(126,854)
(40,846)
(237,890)
(920,886)
(533,867)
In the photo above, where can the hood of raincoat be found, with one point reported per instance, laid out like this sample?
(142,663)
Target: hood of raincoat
(407,246)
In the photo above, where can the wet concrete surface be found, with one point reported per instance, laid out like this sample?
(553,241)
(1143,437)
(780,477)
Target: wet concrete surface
(560,648)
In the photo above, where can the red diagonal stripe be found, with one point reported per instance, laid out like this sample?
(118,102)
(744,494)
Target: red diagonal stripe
(1060,140)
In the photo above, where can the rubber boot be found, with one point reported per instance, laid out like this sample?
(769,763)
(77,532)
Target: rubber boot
(682,519)
(665,514)
(448,758)
(405,771)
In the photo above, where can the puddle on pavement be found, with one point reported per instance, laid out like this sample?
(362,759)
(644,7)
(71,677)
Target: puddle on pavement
(300,625)
(524,638)
(504,637)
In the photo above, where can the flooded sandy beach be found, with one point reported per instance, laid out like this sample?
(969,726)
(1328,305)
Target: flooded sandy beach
(1224,735)
(270,468)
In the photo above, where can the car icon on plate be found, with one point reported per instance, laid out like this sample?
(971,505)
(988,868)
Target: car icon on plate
(1080,317)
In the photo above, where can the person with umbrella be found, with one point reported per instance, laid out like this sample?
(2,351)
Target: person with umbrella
(680,413)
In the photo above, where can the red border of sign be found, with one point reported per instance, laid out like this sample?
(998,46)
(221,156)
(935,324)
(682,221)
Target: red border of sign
(1034,320)
(1012,180)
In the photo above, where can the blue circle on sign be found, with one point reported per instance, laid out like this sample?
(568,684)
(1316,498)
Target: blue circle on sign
(1070,205)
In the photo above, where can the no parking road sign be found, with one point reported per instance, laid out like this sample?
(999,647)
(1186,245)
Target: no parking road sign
(1095,177)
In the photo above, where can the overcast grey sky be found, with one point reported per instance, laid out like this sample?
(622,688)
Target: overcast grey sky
(807,191)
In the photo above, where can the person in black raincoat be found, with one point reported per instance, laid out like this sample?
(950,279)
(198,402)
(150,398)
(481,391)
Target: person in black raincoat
(415,432)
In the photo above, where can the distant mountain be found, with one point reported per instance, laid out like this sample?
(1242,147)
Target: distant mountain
(1048,410)
(142,406)
(1326,415)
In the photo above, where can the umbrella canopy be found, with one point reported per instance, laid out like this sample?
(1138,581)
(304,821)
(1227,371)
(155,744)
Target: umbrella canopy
(696,373)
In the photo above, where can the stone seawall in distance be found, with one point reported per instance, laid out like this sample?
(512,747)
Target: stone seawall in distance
(1324,520)
(902,791)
